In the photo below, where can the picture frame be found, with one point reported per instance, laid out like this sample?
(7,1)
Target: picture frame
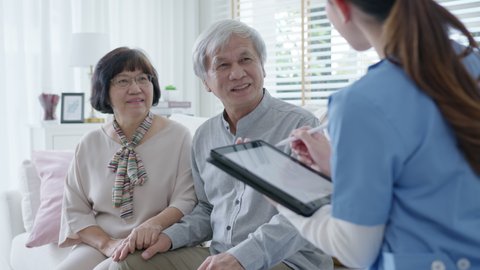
(72,108)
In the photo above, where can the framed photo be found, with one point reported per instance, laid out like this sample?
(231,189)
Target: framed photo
(72,108)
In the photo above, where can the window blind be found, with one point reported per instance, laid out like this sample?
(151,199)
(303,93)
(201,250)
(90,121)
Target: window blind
(307,59)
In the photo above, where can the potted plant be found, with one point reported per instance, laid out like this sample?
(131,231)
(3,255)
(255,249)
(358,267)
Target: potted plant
(168,89)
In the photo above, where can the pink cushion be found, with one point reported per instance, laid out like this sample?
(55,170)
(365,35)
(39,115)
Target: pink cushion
(52,167)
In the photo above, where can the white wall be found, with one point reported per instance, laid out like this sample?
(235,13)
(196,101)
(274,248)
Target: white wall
(211,11)
(35,48)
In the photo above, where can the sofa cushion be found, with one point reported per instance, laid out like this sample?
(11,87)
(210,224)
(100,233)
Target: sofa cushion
(44,257)
(30,190)
(52,167)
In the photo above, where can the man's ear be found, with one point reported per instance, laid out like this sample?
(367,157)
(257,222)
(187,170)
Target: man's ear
(343,9)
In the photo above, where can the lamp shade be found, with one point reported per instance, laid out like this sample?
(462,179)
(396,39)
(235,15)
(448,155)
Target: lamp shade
(88,48)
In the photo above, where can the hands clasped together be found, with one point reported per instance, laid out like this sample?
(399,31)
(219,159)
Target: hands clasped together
(149,237)
(144,237)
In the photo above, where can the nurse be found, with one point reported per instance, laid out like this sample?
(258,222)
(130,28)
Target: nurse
(404,150)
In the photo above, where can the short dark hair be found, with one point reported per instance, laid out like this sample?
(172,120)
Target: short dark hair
(119,60)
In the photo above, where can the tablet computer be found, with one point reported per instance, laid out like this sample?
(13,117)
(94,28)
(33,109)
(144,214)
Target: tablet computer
(279,176)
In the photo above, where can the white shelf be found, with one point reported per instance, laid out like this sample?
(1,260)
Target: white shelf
(55,136)
(59,136)
(167,108)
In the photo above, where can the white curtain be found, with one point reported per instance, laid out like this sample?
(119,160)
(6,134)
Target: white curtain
(35,48)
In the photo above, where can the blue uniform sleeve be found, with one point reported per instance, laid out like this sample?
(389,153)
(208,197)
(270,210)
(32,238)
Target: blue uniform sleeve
(366,151)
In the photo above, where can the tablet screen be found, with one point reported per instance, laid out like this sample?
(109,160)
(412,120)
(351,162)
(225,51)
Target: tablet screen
(280,170)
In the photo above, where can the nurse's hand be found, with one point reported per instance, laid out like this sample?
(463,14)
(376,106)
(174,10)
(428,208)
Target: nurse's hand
(242,140)
(312,149)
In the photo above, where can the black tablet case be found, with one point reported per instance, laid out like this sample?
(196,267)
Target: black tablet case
(276,194)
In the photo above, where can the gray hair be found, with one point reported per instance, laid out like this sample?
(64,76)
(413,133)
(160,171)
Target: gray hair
(217,36)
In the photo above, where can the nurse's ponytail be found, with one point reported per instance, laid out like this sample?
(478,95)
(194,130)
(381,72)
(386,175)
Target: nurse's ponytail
(417,38)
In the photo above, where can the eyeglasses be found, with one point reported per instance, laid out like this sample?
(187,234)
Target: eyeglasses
(124,81)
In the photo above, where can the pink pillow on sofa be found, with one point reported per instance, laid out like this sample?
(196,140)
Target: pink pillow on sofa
(52,167)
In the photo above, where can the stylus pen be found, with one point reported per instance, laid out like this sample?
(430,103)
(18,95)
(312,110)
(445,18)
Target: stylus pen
(310,131)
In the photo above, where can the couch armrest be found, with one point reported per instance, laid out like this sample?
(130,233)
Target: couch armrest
(11,223)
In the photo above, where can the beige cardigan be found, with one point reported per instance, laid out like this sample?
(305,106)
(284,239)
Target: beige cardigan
(88,191)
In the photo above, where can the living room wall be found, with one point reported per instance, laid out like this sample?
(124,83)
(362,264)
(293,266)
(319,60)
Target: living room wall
(35,56)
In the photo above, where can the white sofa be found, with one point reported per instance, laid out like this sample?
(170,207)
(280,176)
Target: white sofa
(14,235)
(14,255)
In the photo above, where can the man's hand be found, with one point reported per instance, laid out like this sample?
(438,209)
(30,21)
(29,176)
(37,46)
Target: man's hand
(163,244)
(222,261)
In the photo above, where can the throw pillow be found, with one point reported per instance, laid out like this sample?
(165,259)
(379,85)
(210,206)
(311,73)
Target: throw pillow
(30,188)
(52,167)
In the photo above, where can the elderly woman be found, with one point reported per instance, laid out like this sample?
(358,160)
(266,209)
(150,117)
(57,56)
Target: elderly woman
(131,178)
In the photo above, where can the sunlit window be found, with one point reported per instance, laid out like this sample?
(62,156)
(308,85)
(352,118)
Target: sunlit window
(307,59)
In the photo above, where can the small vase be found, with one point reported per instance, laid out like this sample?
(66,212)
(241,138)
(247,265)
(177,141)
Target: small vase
(49,103)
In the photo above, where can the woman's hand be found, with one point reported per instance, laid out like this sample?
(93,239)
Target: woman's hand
(146,236)
(140,238)
(312,149)
(163,244)
(111,247)
(143,236)
(97,238)
(122,250)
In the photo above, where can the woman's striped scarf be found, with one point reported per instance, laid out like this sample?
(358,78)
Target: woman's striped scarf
(128,167)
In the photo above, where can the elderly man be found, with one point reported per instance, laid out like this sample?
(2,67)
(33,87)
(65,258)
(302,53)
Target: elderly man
(246,231)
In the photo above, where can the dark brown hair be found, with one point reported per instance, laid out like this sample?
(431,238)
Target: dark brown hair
(119,60)
(416,32)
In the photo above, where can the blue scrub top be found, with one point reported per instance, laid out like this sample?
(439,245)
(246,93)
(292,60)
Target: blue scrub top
(395,162)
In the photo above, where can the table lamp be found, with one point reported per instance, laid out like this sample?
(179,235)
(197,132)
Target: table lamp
(87,49)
